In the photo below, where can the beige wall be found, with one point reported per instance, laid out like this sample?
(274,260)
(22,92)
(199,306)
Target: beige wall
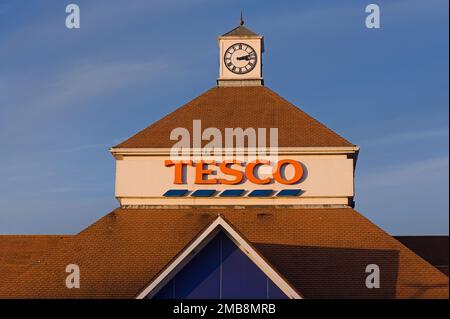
(144,179)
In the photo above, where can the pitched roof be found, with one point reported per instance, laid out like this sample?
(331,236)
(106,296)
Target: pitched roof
(232,107)
(240,31)
(322,252)
(18,252)
(433,249)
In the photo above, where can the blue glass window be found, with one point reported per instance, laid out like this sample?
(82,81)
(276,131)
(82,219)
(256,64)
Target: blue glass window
(261,193)
(232,193)
(289,192)
(203,193)
(220,271)
(176,193)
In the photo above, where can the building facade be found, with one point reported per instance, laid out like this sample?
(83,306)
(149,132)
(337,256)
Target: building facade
(236,194)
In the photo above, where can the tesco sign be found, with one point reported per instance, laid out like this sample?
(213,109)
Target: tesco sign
(235,171)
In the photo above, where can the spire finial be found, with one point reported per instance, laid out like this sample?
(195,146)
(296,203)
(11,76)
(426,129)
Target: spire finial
(241,22)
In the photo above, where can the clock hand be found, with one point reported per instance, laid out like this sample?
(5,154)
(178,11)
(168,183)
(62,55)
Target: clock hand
(245,57)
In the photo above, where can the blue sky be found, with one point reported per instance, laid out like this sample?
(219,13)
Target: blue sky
(68,95)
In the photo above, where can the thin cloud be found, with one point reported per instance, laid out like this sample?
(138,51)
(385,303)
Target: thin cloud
(407,175)
(36,96)
(78,84)
(407,199)
(94,14)
(404,137)
(88,188)
(81,148)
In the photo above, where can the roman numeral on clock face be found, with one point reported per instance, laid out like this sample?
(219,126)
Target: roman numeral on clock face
(240,58)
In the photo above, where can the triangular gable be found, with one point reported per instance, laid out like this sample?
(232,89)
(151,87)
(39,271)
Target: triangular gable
(196,246)
(240,31)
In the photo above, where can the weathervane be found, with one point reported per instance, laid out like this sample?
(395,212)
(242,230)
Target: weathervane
(241,22)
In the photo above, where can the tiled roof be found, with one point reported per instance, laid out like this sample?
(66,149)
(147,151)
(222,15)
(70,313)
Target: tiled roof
(323,252)
(232,107)
(18,252)
(433,249)
(240,31)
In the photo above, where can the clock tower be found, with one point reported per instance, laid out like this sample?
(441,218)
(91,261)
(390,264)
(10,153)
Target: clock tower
(240,57)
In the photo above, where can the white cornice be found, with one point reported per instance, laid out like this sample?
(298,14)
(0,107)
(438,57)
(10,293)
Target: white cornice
(239,37)
(279,151)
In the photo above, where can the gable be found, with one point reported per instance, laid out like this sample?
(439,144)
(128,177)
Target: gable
(212,258)
(220,271)
(240,31)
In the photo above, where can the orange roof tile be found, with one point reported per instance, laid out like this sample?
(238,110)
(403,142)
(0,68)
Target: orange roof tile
(18,252)
(232,107)
(321,251)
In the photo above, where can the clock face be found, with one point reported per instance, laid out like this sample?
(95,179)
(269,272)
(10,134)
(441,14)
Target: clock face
(240,58)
